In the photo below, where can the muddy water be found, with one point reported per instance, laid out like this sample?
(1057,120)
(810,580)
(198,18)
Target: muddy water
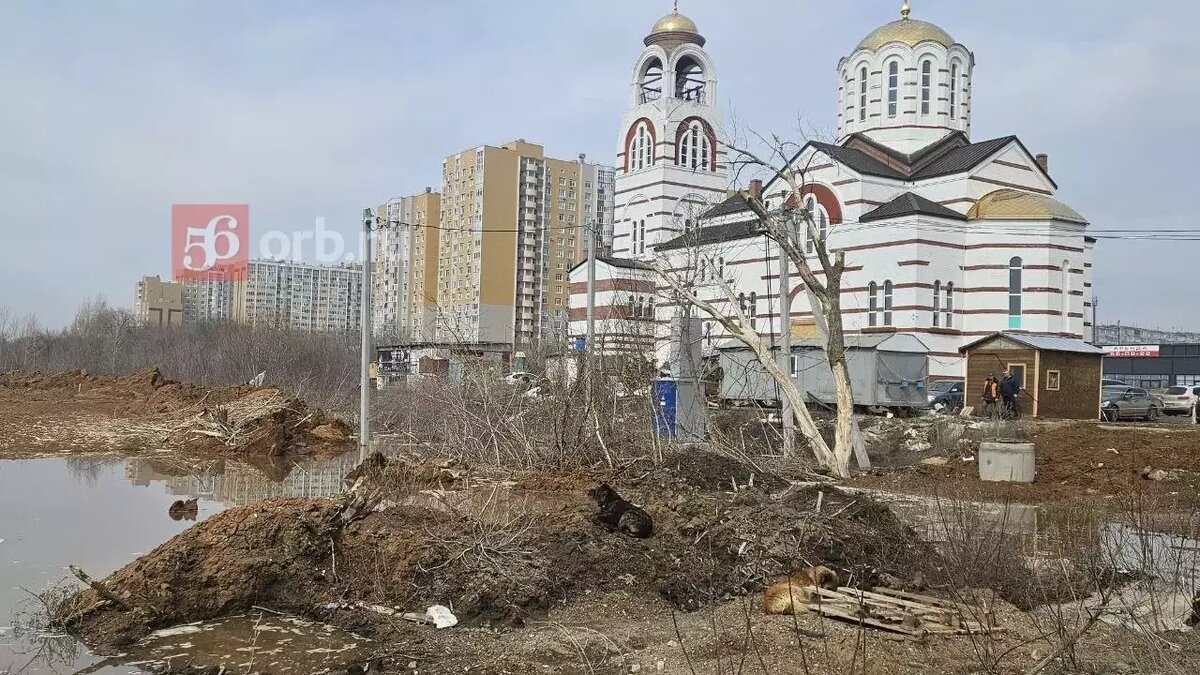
(102,514)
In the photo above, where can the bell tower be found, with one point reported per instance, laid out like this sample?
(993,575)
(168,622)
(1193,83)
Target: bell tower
(671,164)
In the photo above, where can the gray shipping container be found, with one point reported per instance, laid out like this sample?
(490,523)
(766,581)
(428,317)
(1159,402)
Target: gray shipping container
(886,371)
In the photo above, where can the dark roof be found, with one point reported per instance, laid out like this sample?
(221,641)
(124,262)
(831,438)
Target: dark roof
(908,204)
(735,204)
(626,263)
(714,234)
(858,161)
(962,158)
(1045,343)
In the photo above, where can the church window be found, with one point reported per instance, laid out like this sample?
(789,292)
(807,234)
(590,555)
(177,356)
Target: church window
(926,85)
(937,299)
(652,79)
(641,148)
(695,148)
(887,303)
(873,304)
(753,309)
(862,94)
(893,88)
(953,90)
(820,221)
(1015,272)
(949,305)
(689,80)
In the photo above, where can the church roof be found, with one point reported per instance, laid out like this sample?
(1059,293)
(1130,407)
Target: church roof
(714,234)
(907,31)
(858,160)
(674,29)
(962,158)
(626,263)
(909,204)
(1008,204)
(734,204)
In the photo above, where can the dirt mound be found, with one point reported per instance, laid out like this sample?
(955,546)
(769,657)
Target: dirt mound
(706,470)
(144,410)
(497,564)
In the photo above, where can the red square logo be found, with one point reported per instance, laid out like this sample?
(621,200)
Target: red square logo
(210,241)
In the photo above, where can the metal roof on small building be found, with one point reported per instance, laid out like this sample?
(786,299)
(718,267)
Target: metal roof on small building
(1048,343)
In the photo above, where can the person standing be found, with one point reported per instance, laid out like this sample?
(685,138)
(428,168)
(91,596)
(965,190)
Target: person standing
(1009,388)
(990,393)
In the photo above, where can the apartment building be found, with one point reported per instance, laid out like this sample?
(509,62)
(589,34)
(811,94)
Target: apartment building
(299,296)
(512,225)
(157,302)
(404,267)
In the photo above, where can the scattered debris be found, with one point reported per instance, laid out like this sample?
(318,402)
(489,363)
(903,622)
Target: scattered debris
(441,616)
(935,461)
(901,612)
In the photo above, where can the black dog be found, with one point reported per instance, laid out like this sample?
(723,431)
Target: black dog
(618,515)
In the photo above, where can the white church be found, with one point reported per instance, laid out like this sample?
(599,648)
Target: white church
(946,238)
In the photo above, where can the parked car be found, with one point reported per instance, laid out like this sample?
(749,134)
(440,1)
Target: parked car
(1122,403)
(1179,400)
(946,395)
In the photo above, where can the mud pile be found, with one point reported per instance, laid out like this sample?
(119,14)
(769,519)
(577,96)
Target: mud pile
(76,410)
(501,563)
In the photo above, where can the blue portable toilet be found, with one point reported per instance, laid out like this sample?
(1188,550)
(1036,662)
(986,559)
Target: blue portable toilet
(579,344)
(666,396)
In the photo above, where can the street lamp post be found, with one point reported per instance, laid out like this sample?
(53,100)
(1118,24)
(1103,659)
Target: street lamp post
(364,400)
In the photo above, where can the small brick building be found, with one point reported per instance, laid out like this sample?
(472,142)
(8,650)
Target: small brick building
(1060,377)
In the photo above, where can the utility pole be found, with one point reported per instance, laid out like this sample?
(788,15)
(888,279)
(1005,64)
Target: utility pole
(364,400)
(785,348)
(591,288)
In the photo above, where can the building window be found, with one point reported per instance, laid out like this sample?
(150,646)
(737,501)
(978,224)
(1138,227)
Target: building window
(953,90)
(949,305)
(937,299)
(793,365)
(873,304)
(1018,372)
(753,309)
(640,151)
(694,148)
(1014,292)
(820,219)
(862,94)
(887,303)
(926,85)
(893,88)
(1053,380)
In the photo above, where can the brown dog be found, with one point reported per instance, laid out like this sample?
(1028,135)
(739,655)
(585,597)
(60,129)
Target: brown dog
(784,595)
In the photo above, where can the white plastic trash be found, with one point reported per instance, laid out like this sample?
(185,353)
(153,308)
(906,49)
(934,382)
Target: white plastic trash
(441,616)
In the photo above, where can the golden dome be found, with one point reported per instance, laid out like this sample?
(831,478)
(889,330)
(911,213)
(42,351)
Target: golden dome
(675,23)
(1007,204)
(907,31)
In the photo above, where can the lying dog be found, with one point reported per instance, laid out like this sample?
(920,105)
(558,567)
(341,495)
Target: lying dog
(783,596)
(618,515)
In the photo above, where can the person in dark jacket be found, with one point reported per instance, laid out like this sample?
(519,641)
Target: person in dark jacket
(1009,388)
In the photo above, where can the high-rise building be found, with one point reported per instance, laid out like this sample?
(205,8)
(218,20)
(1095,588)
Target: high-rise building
(208,299)
(404,267)
(298,296)
(512,225)
(157,302)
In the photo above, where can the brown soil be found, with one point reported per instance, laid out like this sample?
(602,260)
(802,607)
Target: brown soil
(1074,460)
(42,413)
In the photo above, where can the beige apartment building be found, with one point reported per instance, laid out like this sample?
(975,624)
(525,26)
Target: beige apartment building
(404,268)
(512,225)
(157,302)
(298,296)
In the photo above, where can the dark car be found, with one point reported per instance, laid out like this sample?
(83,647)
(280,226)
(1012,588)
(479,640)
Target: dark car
(1123,403)
(946,395)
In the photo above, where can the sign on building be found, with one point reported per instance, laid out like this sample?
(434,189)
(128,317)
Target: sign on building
(1132,351)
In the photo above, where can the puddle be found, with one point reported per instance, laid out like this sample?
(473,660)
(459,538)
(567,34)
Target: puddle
(100,514)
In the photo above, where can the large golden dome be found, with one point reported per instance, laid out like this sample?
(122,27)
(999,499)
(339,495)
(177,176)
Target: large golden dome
(907,31)
(1008,204)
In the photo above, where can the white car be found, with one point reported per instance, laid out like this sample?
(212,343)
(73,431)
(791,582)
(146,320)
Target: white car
(1179,400)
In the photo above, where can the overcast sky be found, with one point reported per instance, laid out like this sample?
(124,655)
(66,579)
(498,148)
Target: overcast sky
(112,111)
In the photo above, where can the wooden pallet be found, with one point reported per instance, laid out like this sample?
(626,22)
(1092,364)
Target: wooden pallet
(900,612)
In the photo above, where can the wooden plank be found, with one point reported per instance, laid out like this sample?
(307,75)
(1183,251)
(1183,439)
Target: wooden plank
(917,597)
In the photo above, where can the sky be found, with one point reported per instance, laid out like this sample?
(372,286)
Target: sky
(112,111)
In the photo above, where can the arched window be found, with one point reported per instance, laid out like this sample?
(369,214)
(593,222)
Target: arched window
(893,88)
(632,308)
(753,309)
(721,267)
(742,302)
(652,79)
(689,80)
(953,90)
(926,85)
(695,148)
(887,303)
(872,304)
(937,300)
(641,148)
(949,305)
(820,218)
(862,94)
(1015,269)
(650,308)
